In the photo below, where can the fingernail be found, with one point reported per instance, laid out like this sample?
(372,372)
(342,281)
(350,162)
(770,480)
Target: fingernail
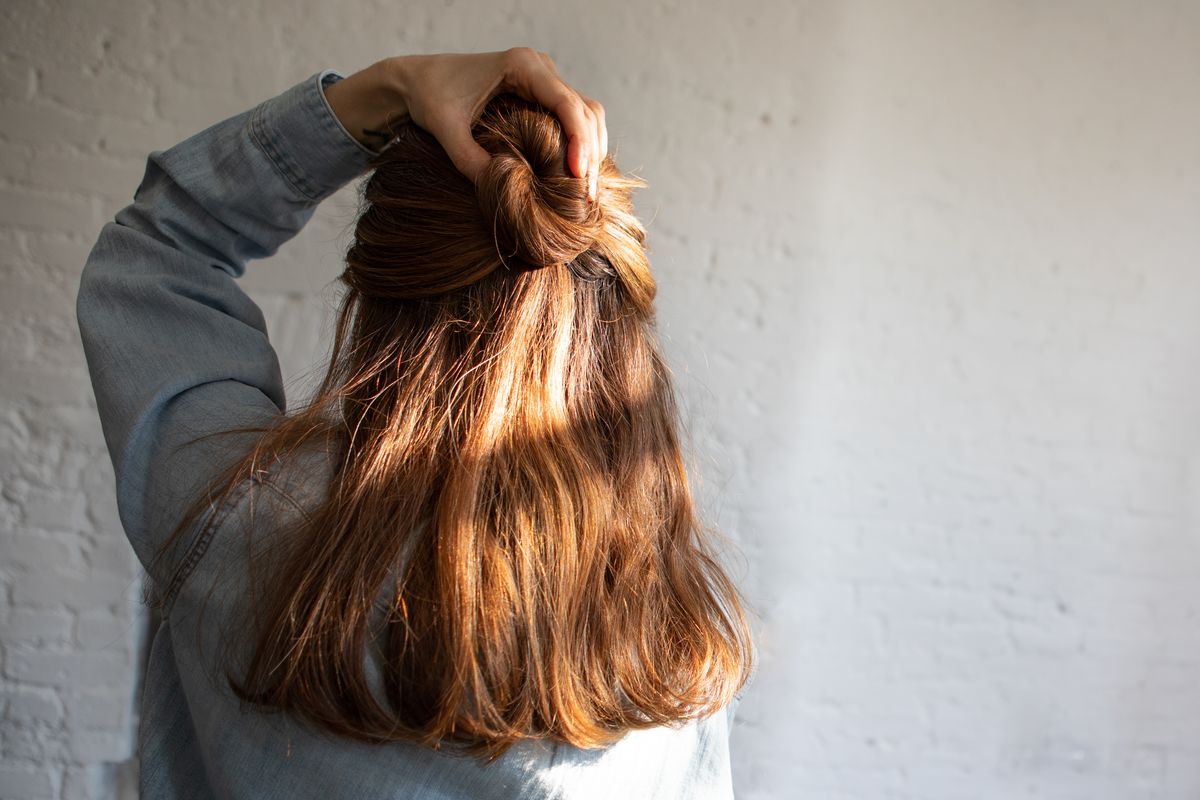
(583,160)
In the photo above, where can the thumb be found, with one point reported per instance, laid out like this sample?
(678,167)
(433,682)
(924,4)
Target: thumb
(464,151)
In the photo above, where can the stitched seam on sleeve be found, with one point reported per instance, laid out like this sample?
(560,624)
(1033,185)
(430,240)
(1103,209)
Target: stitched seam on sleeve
(287,497)
(200,547)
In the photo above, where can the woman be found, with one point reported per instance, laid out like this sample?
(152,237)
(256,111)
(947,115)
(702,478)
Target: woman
(470,565)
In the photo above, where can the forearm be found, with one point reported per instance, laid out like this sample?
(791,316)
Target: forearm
(242,187)
(370,104)
(173,344)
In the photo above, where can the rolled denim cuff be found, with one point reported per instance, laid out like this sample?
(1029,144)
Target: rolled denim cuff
(306,142)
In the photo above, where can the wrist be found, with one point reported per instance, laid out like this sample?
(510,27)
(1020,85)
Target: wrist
(371,104)
(394,76)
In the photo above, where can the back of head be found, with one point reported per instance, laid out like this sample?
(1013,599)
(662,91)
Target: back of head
(426,231)
(510,477)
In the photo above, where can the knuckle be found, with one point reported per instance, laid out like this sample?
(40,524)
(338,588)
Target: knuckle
(520,55)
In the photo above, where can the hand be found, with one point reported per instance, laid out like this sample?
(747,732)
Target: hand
(446,93)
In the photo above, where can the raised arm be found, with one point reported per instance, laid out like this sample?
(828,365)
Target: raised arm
(175,348)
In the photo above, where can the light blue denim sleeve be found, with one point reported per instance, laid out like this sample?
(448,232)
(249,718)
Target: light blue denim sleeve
(174,347)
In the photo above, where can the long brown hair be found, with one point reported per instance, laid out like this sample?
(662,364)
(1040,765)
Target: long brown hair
(508,472)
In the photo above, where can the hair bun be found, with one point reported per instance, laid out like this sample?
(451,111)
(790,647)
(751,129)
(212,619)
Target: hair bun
(538,212)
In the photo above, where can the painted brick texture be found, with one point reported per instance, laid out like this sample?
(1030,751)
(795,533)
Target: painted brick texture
(928,282)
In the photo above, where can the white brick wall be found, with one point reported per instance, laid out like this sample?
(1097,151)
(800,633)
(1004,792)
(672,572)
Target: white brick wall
(928,279)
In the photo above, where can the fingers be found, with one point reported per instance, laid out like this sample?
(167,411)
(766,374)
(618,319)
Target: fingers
(466,153)
(579,124)
(601,139)
(532,75)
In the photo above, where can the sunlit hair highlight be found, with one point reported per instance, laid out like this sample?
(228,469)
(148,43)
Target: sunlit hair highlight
(510,520)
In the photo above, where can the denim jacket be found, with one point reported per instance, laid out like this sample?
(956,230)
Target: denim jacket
(176,349)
